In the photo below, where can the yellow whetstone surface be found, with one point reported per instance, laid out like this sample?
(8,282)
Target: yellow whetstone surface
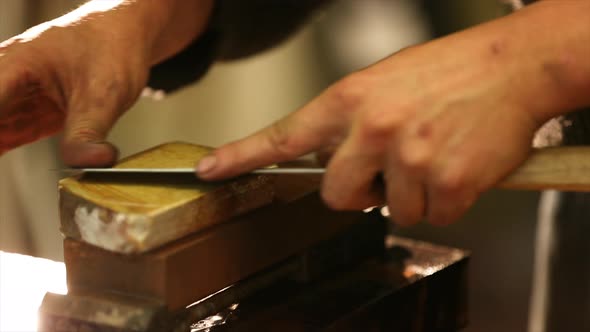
(133,213)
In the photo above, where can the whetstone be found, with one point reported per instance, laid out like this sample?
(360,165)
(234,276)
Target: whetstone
(136,213)
(203,263)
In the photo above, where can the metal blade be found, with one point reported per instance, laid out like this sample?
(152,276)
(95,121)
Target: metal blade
(275,170)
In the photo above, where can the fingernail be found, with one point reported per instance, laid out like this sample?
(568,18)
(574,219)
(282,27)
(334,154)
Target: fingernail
(206,164)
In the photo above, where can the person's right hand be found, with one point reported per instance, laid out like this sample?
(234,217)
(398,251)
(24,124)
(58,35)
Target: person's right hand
(440,123)
(76,78)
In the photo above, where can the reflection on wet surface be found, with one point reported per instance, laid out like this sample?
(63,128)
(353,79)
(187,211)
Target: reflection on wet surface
(208,324)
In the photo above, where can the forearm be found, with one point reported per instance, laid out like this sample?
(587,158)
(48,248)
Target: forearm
(553,62)
(157,28)
(185,20)
(540,53)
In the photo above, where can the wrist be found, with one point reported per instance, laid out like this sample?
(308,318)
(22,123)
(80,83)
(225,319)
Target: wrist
(553,67)
(535,60)
(177,24)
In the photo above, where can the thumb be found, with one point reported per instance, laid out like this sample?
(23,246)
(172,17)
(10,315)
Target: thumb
(84,139)
(301,132)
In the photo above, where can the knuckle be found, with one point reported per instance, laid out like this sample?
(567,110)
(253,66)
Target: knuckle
(120,88)
(376,127)
(451,183)
(414,160)
(85,134)
(377,124)
(112,96)
(86,131)
(350,92)
(373,124)
(281,142)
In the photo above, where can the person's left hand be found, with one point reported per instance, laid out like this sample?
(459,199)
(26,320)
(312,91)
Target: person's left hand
(440,126)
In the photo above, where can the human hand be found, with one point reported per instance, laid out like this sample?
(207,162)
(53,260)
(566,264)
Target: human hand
(440,125)
(82,71)
(72,78)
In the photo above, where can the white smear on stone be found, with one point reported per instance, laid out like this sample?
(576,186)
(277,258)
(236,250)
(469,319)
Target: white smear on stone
(550,134)
(114,317)
(122,233)
(117,317)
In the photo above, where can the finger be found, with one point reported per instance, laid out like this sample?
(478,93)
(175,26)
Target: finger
(349,182)
(299,133)
(406,198)
(447,204)
(85,131)
(452,191)
(407,163)
(461,180)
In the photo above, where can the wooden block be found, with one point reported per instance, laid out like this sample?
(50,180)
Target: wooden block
(194,267)
(134,213)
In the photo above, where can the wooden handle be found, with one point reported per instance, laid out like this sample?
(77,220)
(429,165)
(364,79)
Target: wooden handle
(562,168)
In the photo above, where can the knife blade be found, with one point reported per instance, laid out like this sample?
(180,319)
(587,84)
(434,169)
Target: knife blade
(274,170)
(558,168)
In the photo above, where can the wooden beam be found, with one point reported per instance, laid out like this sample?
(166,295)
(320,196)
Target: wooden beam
(559,168)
